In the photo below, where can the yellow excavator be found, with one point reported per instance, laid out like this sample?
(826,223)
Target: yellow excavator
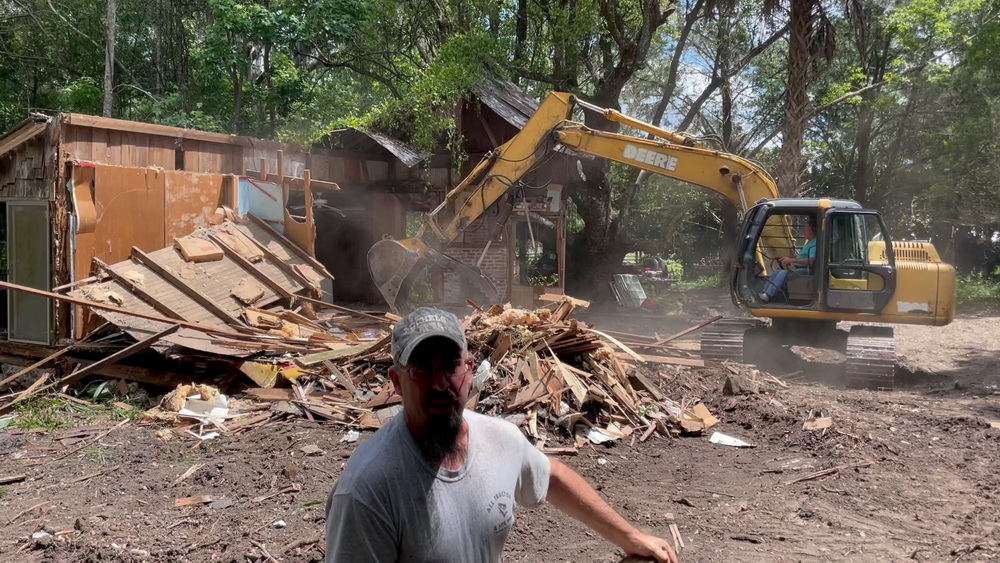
(849,269)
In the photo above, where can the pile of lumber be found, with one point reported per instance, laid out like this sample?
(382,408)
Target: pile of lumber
(541,368)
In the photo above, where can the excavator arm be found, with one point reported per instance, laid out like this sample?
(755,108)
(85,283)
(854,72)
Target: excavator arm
(395,265)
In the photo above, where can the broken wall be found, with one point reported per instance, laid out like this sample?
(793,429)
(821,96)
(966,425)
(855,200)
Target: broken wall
(142,207)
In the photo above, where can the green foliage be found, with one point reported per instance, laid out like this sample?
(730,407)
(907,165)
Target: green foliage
(708,282)
(51,413)
(976,290)
(919,138)
(424,115)
(675,270)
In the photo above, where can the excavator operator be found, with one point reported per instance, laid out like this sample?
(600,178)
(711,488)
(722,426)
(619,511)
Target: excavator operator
(801,264)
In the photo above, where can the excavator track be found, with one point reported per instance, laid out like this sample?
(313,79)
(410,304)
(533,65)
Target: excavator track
(871,358)
(723,341)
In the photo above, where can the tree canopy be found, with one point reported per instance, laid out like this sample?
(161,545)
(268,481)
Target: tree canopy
(895,105)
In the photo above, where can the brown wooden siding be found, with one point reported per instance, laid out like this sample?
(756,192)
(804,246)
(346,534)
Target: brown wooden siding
(22,172)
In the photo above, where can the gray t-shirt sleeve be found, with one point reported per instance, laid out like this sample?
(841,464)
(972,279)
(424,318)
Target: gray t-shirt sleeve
(533,482)
(356,533)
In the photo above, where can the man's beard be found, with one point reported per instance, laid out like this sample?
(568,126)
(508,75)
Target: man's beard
(440,437)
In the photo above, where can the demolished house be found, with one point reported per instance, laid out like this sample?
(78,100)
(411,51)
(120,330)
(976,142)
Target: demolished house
(176,256)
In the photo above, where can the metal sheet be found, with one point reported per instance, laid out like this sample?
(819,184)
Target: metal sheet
(507,100)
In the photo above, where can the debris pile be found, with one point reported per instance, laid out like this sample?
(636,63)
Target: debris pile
(542,369)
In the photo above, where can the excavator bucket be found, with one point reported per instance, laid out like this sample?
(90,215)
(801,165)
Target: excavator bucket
(394,267)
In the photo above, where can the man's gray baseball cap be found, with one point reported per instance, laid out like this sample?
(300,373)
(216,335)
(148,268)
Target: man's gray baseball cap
(420,325)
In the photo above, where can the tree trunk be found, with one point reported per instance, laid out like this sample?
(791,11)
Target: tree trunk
(109,60)
(158,32)
(861,182)
(272,102)
(789,173)
(520,31)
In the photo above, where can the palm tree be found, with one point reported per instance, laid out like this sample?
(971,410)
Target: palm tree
(811,39)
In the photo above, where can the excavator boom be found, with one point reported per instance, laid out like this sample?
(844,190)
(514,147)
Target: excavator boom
(396,265)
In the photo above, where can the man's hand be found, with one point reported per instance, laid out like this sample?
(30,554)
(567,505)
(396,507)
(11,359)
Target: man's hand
(571,494)
(650,546)
(786,260)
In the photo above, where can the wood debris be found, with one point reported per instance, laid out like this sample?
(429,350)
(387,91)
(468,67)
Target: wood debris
(552,369)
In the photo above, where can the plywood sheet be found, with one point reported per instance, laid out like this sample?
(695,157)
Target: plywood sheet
(129,205)
(190,200)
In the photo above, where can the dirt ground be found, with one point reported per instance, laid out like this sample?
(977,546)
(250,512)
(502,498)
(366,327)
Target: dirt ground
(916,475)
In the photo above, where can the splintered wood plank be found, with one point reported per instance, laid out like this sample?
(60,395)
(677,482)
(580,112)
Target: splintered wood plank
(117,356)
(190,501)
(654,359)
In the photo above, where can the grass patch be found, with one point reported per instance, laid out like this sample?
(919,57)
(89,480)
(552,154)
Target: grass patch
(977,290)
(700,283)
(53,413)
(4,492)
(98,455)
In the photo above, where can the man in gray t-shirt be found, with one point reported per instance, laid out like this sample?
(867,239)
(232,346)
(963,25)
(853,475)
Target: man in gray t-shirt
(439,484)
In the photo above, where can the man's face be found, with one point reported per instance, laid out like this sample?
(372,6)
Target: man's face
(434,386)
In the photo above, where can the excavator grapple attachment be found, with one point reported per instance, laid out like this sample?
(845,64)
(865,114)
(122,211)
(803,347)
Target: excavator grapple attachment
(394,266)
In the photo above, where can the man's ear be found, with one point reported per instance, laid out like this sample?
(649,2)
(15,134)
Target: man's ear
(394,377)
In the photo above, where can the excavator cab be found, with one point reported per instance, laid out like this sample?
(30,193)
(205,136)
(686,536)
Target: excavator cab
(847,266)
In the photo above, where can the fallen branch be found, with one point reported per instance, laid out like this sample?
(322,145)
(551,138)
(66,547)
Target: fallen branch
(23,512)
(829,471)
(301,543)
(191,470)
(263,550)
(12,479)
(95,474)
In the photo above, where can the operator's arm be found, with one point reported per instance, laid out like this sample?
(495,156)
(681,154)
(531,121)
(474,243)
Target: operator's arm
(806,257)
(570,493)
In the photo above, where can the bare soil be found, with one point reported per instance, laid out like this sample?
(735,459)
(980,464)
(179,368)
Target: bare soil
(918,477)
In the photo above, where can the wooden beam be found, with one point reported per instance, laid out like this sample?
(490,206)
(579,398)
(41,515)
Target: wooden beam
(34,388)
(138,291)
(113,309)
(295,183)
(36,365)
(119,355)
(141,374)
(250,268)
(665,360)
(352,312)
(685,332)
(176,281)
(72,285)
(281,264)
(290,245)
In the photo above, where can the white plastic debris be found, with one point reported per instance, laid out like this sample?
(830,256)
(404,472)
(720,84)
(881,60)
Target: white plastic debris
(672,407)
(598,436)
(214,412)
(601,461)
(208,436)
(279,524)
(482,374)
(723,439)
(351,436)
(40,535)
